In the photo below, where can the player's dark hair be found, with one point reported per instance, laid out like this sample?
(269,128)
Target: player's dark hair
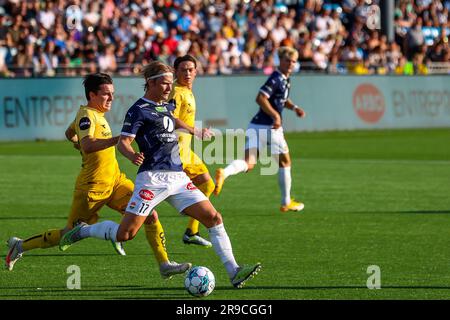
(184,58)
(92,82)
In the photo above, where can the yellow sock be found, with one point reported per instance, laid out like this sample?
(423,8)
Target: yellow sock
(47,239)
(192,226)
(155,237)
(207,188)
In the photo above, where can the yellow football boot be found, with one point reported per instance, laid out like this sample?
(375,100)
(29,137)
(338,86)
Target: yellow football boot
(292,206)
(220,179)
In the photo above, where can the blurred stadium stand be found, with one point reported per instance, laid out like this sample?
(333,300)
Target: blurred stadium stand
(75,37)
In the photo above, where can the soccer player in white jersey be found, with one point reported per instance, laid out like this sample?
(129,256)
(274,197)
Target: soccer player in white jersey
(265,129)
(160,176)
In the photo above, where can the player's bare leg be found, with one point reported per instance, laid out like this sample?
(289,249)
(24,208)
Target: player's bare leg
(204,212)
(127,230)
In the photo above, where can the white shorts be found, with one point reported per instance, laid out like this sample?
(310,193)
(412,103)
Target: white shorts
(153,187)
(260,136)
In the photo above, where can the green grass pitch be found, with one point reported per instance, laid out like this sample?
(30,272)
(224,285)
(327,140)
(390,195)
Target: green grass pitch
(371,198)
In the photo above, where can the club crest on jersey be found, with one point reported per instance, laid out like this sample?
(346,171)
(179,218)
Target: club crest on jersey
(146,194)
(191,186)
(84,123)
(132,205)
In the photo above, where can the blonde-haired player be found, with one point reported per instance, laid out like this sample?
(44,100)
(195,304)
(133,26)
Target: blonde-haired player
(150,122)
(99,182)
(265,129)
(185,72)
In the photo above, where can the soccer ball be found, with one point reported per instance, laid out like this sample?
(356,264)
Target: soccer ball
(199,281)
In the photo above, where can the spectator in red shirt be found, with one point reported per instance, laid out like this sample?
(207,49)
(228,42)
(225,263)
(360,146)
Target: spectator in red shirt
(171,41)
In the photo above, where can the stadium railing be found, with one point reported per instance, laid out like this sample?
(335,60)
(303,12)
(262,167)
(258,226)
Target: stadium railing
(439,68)
(134,70)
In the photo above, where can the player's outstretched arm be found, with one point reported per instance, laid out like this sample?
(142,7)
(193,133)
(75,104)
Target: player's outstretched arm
(298,111)
(184,127)
(90,144)
(125,148)
(204,133)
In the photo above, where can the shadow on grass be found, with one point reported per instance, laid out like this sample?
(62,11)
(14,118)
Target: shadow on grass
(401,212)
(32,218)
(63,254)
(105,217)
(426,212)
(97,292)
(163,293)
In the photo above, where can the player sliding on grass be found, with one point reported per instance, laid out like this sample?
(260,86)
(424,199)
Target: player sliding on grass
(100,181)
(193,166)
(266,129)
(160,176)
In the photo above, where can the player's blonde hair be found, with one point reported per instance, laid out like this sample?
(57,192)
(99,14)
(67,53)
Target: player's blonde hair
(287,52)
(155,69)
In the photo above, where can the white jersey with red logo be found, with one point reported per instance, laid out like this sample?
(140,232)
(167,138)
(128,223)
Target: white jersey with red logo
(153,187)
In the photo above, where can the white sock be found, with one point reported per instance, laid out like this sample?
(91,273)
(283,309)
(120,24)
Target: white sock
(235,167)
(285,181)
(222,245)
(105,230)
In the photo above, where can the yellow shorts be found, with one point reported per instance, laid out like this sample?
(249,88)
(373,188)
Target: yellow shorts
(86,204)
(193,166)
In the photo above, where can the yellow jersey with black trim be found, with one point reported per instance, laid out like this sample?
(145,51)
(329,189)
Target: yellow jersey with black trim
(185,111)
(99,170)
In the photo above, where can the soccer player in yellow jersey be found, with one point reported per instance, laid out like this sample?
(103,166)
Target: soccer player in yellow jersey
(193,166)
(99,182)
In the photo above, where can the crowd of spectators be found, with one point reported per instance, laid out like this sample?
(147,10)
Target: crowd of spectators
(75,37)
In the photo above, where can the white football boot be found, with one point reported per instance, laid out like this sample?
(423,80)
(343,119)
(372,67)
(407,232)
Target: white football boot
(15,252)
(170,268)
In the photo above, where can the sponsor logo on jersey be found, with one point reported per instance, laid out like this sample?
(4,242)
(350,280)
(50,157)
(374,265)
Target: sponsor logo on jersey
(84,123)
(191,186)
(161,109)
(168,124)
(146,194)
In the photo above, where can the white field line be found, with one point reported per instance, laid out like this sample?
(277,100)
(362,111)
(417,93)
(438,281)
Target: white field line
(28,156)
(361,161)
(371,161)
